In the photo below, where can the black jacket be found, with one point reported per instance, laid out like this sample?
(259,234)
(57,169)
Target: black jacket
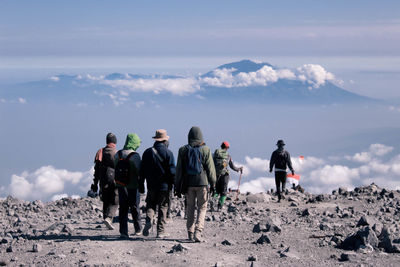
(281,160)
(158,176)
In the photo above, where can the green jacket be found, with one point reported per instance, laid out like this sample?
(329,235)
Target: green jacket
(132,143)
(207,176)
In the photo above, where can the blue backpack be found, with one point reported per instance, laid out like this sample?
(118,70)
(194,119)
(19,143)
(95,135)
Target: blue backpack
(193,163)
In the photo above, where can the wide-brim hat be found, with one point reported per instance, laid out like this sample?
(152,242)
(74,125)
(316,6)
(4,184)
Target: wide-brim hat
(161,135)
(280,143)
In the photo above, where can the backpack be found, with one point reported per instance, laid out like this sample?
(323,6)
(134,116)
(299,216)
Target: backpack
(281,160)
(105,169)
(193,162)
(122,169)
(221,161)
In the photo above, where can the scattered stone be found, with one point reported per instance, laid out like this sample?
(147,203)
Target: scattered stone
(305,212)
(226,243)
(363,237)
(263,240)
(257,228)
(37,248)
(252,258)
(273,225)
(9,249)
(3,263)
(363,221)
(342,190)
(289,253)
(178,248)
(349,256)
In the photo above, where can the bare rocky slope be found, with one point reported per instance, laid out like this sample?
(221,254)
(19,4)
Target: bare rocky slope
(355,228)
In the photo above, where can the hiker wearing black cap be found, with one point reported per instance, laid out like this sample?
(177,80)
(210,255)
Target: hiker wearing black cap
(104,175)
(280,158)
(195,171)
(222,160)
(158,170)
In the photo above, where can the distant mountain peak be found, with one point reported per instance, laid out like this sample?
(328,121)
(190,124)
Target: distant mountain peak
(245,65)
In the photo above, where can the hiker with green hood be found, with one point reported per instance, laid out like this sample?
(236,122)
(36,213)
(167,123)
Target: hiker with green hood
(222,160)
(195,171)
(127,167)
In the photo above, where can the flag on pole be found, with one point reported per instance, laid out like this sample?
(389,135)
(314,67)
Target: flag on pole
(293,179)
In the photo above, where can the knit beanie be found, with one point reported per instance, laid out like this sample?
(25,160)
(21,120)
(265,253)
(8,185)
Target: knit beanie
(111,138)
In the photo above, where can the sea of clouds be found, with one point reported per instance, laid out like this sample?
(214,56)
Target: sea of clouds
(376,164)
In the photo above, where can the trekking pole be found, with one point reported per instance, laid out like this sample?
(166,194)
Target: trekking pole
(237,193)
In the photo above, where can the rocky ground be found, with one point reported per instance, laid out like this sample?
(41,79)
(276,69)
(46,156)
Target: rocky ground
(356,228)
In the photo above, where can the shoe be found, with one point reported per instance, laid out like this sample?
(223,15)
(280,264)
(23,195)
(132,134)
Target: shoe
(162,235)
(198,237)
(108,223)
(190,236)
(124,236)
(138,233)
(219,206)
(283,197)
(146,229)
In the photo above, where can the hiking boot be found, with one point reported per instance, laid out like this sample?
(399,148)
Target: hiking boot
(162,235)
(108,223)
(146,229)
(190,236)
(124,236)
(198,237)
(219,206)
(138,233)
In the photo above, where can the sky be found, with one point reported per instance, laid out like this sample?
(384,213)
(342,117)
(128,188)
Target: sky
(357,41)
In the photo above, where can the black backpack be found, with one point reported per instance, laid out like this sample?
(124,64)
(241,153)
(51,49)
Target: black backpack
(193,162)
(122,169)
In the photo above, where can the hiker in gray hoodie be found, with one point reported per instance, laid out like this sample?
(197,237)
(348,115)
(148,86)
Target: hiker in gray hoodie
(193,180)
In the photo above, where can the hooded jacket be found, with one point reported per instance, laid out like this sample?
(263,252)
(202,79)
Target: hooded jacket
(207,176)
(159,176)
(132,143)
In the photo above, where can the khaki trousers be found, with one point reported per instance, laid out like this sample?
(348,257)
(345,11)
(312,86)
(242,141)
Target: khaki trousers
(196,196)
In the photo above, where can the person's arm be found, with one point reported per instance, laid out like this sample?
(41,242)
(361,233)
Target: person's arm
(209,167)
(142,173)
(289,162)
(233,167)
(172,168)
(272,162)
(179,173)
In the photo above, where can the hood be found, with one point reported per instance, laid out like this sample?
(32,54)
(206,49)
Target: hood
(132,142)
(195,137)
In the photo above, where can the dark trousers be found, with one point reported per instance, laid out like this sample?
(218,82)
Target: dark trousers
(222,184)
(110,201)
(280,179)
(161,199)
(170,196)
(128,199)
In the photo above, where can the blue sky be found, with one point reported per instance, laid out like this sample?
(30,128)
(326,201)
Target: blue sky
(203,28)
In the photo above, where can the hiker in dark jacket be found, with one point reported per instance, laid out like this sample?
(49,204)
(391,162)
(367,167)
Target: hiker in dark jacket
(129,197)
(280,158)
(222,160)
(195,186)
(104,175)
(158,170)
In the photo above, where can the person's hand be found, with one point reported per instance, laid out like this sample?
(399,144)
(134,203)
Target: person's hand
(241,169)
(177,194)
(292,172)
(212,190)
(94,188)
(270,170)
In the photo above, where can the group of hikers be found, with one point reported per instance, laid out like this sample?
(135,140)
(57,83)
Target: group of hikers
(121,176)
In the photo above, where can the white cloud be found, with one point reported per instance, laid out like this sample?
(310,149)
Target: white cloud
(374,151)
(264,76)
(177,86)
(379,149)
(54,78)
(47,181)
(58,197)
(260,184)
(21,100)
(314,74)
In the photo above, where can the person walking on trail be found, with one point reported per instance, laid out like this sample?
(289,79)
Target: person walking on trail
(222,160)
(195,171)
(158,170)
(127,168)
(280,158)
(104,175)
